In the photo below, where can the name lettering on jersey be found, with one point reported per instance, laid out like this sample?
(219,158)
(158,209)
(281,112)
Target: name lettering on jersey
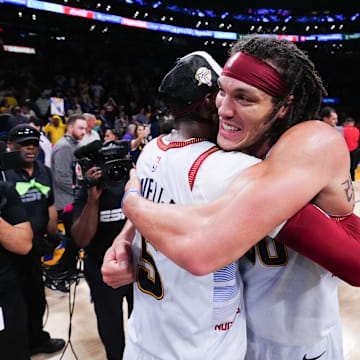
(32,195)
(152,190)
(111,215)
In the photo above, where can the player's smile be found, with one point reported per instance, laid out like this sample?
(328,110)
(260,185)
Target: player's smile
(243,113)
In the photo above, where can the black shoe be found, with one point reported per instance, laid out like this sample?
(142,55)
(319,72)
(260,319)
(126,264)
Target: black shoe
(48,347)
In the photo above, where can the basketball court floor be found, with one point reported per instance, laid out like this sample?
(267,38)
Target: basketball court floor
(86,343)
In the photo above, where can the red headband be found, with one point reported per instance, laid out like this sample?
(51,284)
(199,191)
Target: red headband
(249,69)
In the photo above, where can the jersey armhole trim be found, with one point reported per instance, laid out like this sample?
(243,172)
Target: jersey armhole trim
(197,163)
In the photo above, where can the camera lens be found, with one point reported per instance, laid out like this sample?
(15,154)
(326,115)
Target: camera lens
(117,172)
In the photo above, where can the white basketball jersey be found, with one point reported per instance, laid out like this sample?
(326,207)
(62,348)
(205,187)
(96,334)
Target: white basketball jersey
(177,315)
(291,305)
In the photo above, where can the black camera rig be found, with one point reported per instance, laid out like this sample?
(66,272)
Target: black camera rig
(111,157)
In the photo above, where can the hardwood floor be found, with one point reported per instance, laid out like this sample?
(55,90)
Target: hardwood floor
(87,345)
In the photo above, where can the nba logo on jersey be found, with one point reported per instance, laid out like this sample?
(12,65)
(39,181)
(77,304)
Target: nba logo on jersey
(156,163)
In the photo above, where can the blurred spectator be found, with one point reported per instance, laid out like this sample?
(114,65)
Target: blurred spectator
(75,108)
(121,122)
(155,130)
(351,135)
(112,134)
(110,107)
(330,116)
(140,117)
(62,159)
(141,139)
(16,118)
(43,104)
(97,91)
(55,128)
(5,114)
(10,98)
(45,143)
(27,111)
(91,134)
(129,135)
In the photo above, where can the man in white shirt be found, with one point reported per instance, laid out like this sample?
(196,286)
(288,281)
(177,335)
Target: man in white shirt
(91,134)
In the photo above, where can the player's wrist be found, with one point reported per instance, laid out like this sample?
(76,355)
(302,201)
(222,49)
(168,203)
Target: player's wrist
(129,195)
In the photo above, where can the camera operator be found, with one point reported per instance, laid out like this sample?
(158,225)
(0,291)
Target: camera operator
(98,218)
(33,182)
(15,238)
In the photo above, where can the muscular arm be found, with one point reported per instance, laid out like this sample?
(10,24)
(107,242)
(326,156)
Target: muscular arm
(16,238)
(204,238)
(333,244)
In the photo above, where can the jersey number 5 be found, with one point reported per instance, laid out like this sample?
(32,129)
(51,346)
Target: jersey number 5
(149,281)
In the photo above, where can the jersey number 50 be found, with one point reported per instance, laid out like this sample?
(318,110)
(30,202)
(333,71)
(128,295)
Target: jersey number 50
(149,282)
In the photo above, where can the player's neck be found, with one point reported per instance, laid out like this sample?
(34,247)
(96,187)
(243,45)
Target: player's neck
(192,129)
(259,149)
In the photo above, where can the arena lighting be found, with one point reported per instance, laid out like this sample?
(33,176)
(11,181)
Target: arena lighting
(147,25)
(329,100)
(19,49)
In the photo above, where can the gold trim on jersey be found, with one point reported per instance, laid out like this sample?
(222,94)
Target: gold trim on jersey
(177,144)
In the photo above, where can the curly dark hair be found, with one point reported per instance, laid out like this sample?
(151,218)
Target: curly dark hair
(297,71)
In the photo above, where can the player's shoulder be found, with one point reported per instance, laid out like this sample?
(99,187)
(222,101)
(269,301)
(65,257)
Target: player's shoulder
(217,171)
(311,130)
(221,159)
(313,136)
(310,145)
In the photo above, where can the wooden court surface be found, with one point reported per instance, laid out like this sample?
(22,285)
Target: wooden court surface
(87,345)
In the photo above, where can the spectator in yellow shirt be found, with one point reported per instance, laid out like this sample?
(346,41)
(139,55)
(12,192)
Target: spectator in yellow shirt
(55,128)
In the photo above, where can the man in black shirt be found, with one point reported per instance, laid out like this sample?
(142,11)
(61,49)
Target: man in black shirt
(33,182)
(98,218)
(15,238)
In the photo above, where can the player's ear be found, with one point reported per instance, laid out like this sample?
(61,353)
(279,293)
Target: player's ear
(285,108)
(209,98)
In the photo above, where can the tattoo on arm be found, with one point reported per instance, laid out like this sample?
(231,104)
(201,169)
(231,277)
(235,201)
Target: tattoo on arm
(349,190)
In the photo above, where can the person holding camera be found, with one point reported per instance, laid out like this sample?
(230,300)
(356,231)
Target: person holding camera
(15,238)
(98,218)
(33,182)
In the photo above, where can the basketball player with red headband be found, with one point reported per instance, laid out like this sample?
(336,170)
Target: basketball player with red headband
(269,91)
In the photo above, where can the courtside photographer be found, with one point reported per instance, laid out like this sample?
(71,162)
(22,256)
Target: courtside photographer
(102,172)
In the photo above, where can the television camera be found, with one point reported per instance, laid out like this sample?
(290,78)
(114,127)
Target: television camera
(111,157)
